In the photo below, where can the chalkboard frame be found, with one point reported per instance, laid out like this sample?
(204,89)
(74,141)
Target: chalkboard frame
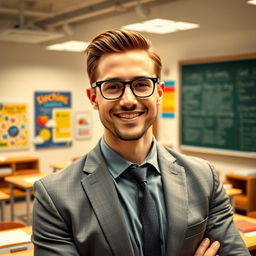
(200,149)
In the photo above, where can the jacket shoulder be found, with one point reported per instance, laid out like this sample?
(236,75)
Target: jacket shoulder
(189,162)
(72,172)
(195,167)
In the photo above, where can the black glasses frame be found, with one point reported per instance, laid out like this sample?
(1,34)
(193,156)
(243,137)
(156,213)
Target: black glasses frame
(99,83)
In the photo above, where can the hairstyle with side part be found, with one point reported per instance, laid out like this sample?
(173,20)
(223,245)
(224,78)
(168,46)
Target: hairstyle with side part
(117,41)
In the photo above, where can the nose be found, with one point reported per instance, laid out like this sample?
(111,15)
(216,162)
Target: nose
(128,99)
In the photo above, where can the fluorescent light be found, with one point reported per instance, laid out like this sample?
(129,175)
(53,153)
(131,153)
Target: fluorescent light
(251,2)
(160,26)
(72,46)
(185,25)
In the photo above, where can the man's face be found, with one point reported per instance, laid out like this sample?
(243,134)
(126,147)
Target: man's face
(129,117)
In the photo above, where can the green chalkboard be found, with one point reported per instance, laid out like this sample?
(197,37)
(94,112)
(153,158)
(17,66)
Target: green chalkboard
(218,104)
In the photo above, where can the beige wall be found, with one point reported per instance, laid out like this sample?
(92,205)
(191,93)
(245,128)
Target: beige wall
(25,69)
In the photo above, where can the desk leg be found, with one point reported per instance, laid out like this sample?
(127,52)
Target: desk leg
(11,201)
(28,199)
(2,210)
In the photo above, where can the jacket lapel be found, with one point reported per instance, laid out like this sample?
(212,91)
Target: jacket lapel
(175,191)
(102,194)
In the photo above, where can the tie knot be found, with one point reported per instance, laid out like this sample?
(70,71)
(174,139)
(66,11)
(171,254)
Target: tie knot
(139,173)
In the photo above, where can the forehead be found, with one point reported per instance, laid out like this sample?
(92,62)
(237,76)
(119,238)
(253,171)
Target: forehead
(125,65)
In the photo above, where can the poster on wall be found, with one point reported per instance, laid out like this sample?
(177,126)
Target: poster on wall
(13,126)
(168,102)
(53,119)
(83,125)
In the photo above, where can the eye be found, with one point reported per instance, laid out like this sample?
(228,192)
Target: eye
(112,86)
(142,84)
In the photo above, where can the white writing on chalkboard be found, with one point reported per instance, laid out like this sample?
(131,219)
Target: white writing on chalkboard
(219,105)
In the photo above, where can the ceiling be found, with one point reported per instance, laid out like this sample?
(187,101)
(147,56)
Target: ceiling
(58,15)
(53,13)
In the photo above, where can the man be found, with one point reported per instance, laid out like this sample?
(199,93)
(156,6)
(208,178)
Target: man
(98,206)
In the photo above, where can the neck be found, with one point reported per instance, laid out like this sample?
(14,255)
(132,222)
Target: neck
(134,151)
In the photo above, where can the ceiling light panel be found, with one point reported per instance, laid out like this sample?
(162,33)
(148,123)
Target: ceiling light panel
(251,2)
(71,46)
(161,26)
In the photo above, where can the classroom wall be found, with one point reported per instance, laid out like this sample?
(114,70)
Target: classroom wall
(25,69)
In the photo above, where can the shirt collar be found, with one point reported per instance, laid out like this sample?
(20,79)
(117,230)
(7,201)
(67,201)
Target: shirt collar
(117,164)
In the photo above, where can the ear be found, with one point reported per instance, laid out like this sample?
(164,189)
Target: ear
(91,94)
(160,92)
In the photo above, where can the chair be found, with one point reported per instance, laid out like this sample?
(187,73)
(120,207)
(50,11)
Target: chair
(10,225)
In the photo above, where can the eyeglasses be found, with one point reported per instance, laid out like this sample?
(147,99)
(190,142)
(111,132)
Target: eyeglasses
(114,89)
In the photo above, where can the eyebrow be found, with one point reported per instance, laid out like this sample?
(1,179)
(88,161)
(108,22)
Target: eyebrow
(120,79)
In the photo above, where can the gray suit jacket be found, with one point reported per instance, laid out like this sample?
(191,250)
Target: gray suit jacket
(77,211)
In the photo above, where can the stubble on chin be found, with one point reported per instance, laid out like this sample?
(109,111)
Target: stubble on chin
(129,138)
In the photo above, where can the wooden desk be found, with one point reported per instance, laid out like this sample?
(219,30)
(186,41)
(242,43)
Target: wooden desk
(28,252)
(232,192)
(250,241)
(3,198)
(59,166)
(26,183)
(247,200)
(17,165)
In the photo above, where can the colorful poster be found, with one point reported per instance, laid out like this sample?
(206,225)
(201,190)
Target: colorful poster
(83,125)
(53,119)
(13,126)
(168,102)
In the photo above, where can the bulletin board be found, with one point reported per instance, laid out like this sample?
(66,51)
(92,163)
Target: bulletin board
(218,104)
(53,119)
(13,126)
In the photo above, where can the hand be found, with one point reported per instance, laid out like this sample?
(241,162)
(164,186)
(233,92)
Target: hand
(205,250)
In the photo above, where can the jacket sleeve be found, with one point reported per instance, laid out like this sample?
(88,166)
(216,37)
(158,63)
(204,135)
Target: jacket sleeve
(50,236)
(220,222)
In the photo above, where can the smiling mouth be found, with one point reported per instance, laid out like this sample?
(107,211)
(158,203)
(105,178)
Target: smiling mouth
(128,116)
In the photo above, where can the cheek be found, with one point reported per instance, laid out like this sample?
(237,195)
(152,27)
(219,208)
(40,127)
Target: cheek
(104,108)
(155,100)
(155,105)
(151,106)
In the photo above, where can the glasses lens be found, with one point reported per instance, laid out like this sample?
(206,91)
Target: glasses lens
(111,89)
(143,87)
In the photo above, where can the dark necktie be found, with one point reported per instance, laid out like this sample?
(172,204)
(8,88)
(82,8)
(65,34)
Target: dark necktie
(148,213)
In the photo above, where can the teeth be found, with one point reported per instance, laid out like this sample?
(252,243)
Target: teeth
(128,116)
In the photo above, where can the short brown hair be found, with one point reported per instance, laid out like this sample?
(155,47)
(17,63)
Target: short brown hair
(117,41)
